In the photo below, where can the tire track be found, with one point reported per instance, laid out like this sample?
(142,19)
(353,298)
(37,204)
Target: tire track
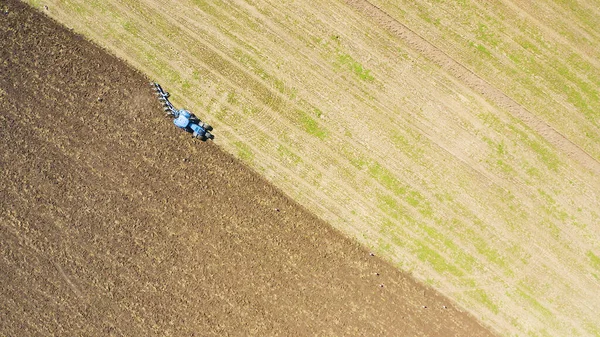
(475,82)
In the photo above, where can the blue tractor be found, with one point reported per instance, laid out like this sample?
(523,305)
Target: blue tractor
(182,118)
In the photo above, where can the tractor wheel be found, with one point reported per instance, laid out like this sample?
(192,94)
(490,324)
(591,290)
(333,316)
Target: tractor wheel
(209,135)
(207,127)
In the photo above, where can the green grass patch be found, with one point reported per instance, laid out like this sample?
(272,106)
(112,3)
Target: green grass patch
(481,50)
(358,161)
(492,121)
(580,93)
(287,154)
(254,67)
(411,145)
(393,232)
(544,152)
(414,198)
(205,7)
(460,257)
(417,200)
(384,246)
(467,282)
(387,179)
(482,297)
(388,205)
(33,3)
(186,87)
(500,150)
(131,28)
(244,152)
(593,328)
(533,172)
(594,260)
(310,125)
(487,35)
(532,302)
(232,98)
(425,14)
(317,112)
(346,61)
(504,167)
(491,254)
(525,43)
(428,255)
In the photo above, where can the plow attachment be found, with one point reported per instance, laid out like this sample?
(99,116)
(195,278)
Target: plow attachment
(182,118)
(163,97)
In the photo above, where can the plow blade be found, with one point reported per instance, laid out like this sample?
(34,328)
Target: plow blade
(163,97)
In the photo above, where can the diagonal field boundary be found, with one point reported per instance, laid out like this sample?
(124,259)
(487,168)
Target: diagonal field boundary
(476,83)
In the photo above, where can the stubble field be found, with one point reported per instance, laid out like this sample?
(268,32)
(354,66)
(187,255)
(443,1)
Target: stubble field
(459,140)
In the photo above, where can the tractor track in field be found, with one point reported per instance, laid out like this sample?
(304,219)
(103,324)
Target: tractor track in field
(114,223)
(474,82)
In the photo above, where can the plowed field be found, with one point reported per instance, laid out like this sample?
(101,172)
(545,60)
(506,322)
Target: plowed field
(112,222)
(458,140)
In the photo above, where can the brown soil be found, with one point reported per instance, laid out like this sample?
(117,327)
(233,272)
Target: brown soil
(112,222)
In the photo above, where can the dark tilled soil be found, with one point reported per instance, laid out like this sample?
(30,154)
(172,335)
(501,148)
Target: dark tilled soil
(113,222)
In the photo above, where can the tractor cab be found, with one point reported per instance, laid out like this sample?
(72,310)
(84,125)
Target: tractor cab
(183,119)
